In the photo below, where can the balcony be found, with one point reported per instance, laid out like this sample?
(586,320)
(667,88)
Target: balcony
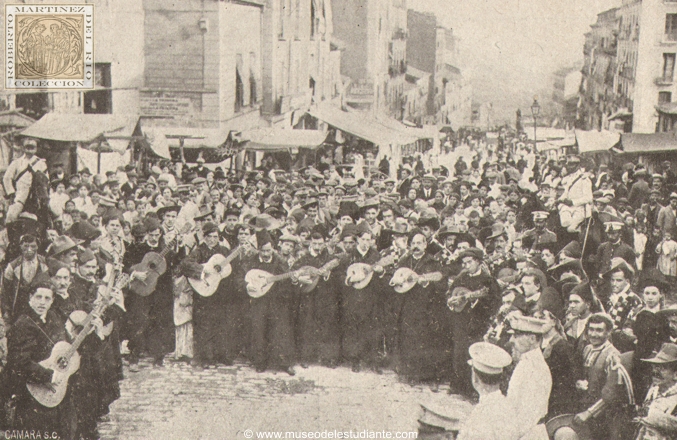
(663,81)
(672,36)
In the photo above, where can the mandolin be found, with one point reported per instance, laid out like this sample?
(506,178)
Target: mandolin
(259,281)
(154,265)
(404,279)
(64,358)
(359,275)
(460,297)
(310,276)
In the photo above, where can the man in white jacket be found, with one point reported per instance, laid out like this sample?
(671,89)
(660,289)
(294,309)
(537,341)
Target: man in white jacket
(531,381)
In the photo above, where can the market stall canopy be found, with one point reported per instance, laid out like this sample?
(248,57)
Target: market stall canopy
(668,108)
(367,127)
(595,141)
(164,141)
(15,119)
(621,114)
(277,139)
(84,128)
(639,143)
(549,134)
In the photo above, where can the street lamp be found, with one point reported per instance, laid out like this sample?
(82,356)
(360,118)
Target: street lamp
(535,110)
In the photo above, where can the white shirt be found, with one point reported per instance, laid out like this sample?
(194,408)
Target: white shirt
(17,166)
(493,418)
(528,393)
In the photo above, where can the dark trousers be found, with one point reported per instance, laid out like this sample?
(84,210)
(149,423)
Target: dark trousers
(271,333)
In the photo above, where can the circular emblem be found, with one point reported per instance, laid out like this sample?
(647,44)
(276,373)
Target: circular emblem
(50,47)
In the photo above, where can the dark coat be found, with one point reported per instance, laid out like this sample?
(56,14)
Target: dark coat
(208,312)
(425,345)
(271,331)
(559,355)
(30,341)
(317,327)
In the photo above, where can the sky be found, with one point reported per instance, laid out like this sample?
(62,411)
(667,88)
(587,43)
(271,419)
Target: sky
(509,49)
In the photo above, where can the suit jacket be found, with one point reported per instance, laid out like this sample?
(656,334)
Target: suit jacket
(666,220)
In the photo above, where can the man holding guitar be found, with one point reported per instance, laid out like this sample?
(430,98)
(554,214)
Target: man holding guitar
(208,311)
(317,332)
(424,342)
(29,341)
(472,321)
(150,323)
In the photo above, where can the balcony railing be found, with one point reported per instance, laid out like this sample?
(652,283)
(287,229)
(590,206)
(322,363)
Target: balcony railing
(663,81)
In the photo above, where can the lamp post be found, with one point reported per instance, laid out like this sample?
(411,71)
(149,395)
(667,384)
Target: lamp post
(535,110)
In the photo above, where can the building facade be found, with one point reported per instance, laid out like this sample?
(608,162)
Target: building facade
(644,77)
(598,96)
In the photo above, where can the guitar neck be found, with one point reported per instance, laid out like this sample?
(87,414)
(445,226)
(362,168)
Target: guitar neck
(432,276)
(233,255)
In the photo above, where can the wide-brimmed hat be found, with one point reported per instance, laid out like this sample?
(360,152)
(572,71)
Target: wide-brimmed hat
(84,231)
(667,355)
(446,231)
(497,229)
(61,244)
(618,263)
(566,422)
(265,221)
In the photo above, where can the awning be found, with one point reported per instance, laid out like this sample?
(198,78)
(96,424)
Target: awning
(82,128)
(547,133)
(621,114)
(648,142)
(595,141)
(277,139)
(365,126)
(15,119)
(546,146)
(668,108)
(164,140)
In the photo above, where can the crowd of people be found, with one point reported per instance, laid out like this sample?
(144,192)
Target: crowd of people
(544,288)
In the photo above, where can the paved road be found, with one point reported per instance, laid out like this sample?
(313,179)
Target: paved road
(175,401)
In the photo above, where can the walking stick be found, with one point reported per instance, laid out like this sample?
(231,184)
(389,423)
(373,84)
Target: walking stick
(585,242)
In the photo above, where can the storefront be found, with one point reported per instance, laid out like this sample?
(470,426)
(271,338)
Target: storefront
(100,142)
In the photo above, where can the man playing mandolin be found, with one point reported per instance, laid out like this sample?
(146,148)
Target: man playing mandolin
(472,322)
(317,324)
(424,342)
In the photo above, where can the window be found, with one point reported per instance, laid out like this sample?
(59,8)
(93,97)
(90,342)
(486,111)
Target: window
(282,11)
(100,101)
(671,26)
(668,66)
(664,97)
(34,105)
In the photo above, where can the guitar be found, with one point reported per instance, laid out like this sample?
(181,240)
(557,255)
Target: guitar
(214,270)
(65,359)
(154,265)
(404,279)
(310,275)
(359,275)
(259,281)
(460,297)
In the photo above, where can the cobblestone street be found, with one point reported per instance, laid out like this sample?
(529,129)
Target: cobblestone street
(178,402)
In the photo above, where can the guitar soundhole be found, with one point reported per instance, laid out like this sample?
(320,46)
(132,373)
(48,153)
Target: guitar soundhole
(152,266)
(62,363)
(217,268)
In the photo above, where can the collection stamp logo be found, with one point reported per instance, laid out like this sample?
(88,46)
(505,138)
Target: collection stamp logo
(49,47)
